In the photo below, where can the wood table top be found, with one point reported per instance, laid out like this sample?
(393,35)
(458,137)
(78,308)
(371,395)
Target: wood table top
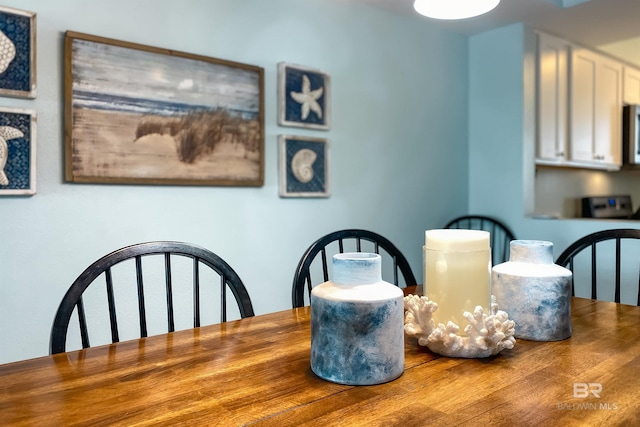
(256,371)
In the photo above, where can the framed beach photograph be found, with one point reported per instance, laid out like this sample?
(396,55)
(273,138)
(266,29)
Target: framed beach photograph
(138,114)
(17,53)
(303,164)
(303,97)
(17,152)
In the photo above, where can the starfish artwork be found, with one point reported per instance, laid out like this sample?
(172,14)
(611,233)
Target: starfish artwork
(308,98)
(303,97)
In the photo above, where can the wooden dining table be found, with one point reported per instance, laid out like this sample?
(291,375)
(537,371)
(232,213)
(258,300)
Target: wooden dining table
(256,371)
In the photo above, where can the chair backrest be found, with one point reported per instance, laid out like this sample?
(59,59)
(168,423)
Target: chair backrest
(500,235)
(350,240)
(600,255)
(124,275)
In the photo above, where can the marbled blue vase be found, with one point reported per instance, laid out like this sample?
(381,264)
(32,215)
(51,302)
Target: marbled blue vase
(535,292)
(357,323)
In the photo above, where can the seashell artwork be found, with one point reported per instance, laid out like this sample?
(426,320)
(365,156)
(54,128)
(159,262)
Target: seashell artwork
(17,53)
(7,52)
(486,334)
(302,165)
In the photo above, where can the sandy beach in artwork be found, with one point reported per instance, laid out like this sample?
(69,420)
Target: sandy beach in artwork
(109,144)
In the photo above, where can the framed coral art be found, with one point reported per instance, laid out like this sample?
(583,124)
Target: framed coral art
(138,114)
(17,53)
(17,152)
(303,97)
(303,166)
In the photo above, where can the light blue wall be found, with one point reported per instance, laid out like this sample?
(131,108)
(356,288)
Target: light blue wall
(496,122)
(398,149)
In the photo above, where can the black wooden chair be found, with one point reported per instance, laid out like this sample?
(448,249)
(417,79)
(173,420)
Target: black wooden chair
(123,274)
(500,235)
(351,240)
(600,255)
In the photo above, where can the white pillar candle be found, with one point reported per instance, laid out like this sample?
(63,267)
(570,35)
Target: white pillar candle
(457,273)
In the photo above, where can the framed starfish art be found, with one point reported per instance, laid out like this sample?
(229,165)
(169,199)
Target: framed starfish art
(303,97)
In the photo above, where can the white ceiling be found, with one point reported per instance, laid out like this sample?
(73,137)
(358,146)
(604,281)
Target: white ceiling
(593,23)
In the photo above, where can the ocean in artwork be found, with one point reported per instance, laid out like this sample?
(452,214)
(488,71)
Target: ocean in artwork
(145,115)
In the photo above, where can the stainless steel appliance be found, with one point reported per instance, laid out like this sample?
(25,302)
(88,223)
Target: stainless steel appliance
(607,207)
(631,135)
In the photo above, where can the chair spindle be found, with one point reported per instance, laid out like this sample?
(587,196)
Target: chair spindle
(141,310)
(83,324)
(111,300)
(223,297)
(594,288)
(169,290)
(616,296)
(196,293)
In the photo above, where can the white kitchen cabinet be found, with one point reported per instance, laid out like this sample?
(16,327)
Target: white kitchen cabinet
(552,95)
(631,85)
(595,110)
(579,105)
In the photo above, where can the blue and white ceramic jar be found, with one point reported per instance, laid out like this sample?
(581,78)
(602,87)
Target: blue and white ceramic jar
(357,323)
(535,292)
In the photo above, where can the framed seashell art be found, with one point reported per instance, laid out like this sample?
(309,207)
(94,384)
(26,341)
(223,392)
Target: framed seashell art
(303,97)
(17,53)
(17,152)
(303,164)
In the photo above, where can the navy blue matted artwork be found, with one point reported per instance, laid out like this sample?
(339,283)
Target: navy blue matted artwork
(303,97)
(17,152)
(17,53)
(303,166)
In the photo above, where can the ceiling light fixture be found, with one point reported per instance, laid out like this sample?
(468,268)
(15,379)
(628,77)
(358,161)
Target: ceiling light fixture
(453,9)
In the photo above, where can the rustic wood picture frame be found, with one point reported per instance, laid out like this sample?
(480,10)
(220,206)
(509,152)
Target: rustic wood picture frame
(17,53)
(137,114)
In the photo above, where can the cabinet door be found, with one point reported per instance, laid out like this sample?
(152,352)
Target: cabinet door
(583,100)
(596,108)
(631,85)
(608,130)
(552,72)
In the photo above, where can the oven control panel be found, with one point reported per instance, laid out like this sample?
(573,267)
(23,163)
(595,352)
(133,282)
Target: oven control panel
(607,207)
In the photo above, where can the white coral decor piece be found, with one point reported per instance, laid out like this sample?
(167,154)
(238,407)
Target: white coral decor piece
(486,334)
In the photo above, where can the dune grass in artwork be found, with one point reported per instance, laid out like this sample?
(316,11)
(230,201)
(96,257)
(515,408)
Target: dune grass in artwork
(136,114)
